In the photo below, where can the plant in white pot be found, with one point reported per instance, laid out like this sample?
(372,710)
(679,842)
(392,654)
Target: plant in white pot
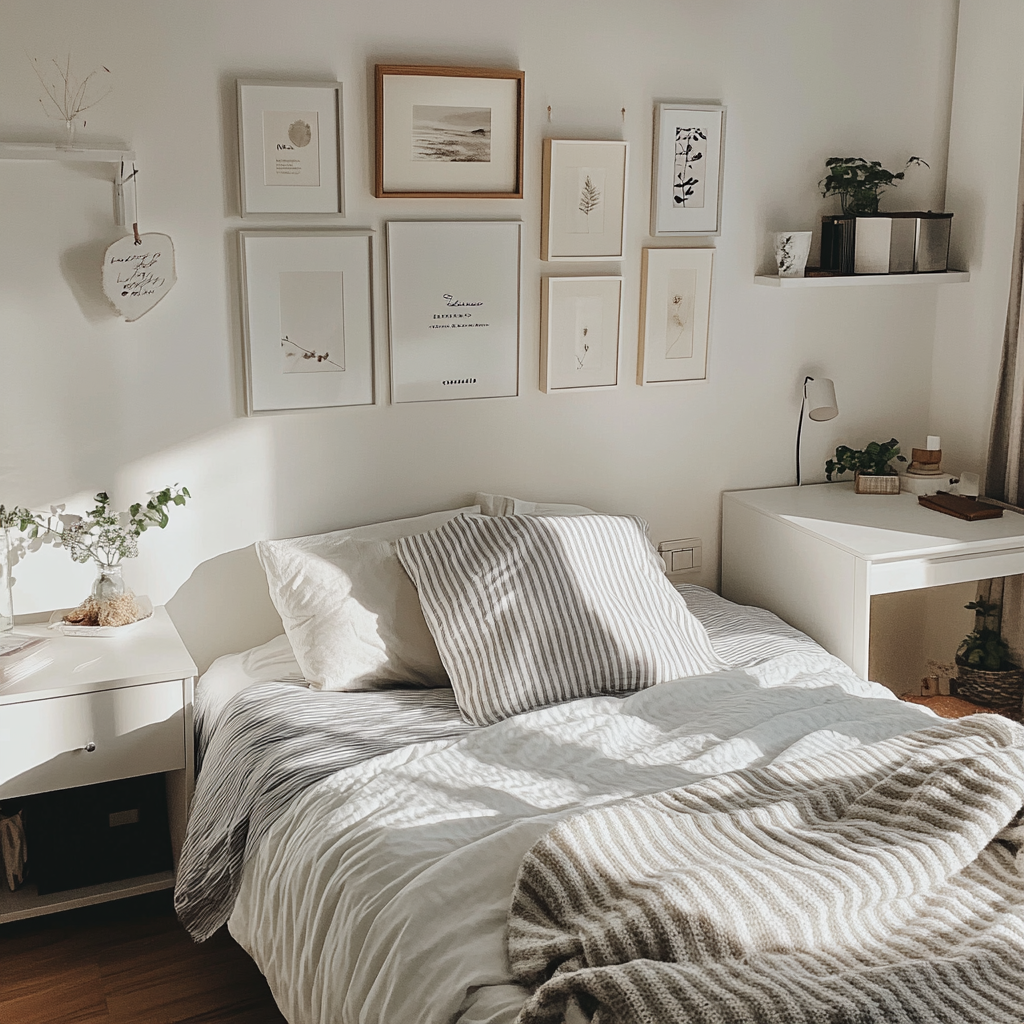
(985,671)
(871,466)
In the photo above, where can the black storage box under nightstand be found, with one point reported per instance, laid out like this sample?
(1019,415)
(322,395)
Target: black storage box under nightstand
(100,833)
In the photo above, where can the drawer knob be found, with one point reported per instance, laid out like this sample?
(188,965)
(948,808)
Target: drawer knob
(89,747)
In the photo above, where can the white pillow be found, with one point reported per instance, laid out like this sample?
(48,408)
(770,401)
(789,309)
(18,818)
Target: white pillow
(504,505)
(349,610)
(530,610)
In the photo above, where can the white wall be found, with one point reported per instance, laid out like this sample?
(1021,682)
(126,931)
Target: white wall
(984,158)
(92,403)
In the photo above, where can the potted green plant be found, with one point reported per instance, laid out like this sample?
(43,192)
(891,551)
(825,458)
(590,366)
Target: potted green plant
(872,472)
(859,182)
(986,673)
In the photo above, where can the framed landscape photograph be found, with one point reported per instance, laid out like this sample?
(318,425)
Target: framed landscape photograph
(686,186)
(581,322)
(675,309)
(449,132)
(290,155)
(307,319)
(453,302)
(583,203)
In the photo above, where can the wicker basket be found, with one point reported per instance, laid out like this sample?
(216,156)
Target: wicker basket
(870,483)
(990,689)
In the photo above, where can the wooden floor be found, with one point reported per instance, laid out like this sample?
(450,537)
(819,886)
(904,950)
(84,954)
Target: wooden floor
(128,962)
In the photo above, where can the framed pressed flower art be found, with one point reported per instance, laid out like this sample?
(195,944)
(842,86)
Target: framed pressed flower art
(675,312)
(686,186)
(581,320)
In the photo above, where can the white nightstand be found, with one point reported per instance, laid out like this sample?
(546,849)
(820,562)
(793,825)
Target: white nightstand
(815,555)
(98,709)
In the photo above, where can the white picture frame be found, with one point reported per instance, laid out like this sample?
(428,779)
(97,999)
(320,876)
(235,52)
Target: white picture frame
(581,325)
(307,319)
(583,200)
(675,312)
(453,309)
(687,169)
(290,148)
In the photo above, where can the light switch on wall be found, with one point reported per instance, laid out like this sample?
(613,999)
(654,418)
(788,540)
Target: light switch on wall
(681,556)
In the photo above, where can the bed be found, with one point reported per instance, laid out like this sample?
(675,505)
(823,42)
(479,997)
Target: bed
(736,828)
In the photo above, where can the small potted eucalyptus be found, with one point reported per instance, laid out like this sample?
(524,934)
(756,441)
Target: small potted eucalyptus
(985,671)
(871,466)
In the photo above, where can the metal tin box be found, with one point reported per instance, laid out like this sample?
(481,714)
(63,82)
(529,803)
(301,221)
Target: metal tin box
(890,243)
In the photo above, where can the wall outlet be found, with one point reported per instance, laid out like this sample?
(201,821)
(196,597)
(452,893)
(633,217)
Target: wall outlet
(681,556)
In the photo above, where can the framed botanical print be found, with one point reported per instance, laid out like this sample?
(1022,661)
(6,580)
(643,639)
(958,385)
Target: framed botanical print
(581,322)
(675,309)
(307,319)
(686,186)
(290,152)
(583,204)
(453,309)
(448,132)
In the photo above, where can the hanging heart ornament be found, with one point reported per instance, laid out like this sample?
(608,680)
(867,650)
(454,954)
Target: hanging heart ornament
(137,276)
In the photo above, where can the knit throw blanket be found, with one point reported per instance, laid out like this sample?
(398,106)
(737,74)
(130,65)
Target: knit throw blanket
(883,884)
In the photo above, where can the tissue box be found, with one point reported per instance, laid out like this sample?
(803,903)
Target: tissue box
(886,243)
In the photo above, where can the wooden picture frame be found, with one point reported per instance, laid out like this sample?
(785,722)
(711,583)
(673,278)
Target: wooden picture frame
(583,204)
(453,309)
(675,313)
(307,319)
(448,132)
(581,326)
(290,147)
(687,169)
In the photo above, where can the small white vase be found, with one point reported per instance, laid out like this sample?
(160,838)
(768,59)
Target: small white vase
(791,251)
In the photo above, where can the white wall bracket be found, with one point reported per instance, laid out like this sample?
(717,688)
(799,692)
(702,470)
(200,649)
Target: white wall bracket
(124,197)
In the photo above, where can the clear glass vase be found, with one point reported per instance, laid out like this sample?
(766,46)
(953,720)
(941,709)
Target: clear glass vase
(68,142)
(6,597)
(109,583)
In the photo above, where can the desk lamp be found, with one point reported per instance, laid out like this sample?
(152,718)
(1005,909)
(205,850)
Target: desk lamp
(820,402)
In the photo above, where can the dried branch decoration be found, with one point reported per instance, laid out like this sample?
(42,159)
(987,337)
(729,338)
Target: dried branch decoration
(70,98)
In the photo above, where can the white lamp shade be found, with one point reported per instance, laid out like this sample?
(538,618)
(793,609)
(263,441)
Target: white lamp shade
(821,399)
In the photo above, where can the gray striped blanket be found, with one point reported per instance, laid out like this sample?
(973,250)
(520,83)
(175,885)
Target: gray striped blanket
(877,885)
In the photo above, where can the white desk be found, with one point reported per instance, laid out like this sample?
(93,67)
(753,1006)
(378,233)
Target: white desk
(815,555)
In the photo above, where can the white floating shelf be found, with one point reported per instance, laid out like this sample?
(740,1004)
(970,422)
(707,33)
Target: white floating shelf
(945,277)
(51,151)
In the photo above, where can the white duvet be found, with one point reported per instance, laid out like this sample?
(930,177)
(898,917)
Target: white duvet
(381,894)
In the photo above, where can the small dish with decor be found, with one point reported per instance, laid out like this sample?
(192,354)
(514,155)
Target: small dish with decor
(871,466)
(89,625)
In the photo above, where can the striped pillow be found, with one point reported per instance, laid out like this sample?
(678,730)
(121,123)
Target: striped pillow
(530,611)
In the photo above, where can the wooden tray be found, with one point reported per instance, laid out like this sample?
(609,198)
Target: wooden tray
(960,507)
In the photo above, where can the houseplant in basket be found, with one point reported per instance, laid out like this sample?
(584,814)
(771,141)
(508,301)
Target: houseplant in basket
(872,472)
(985,672)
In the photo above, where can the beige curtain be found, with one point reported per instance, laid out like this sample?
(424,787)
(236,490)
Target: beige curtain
(1004,477)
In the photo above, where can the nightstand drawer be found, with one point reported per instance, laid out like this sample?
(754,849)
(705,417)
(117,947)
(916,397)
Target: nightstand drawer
(91,737)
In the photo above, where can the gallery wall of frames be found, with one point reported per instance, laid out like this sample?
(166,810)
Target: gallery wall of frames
(454,286)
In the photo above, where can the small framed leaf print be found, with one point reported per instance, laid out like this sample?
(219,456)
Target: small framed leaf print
(686,191)
(583,213)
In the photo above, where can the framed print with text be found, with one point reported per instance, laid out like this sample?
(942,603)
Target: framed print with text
(583,204)
(581,321)
(686,186)
(290,152)
(307,319)
(453,303)
(448,132)
(675,310)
